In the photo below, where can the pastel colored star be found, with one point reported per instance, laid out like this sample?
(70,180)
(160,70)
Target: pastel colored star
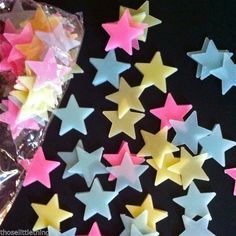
(136,232)
(171,111)
(190,167)
(140,222)
(127,98)
(164,173)
(95,231)
(154,215)
(73,116)
(54,232)
(34,173)
(125,124)
(200,200)
(89,164)
(155,73)
(89,199)
(188,132)
(122,33)
(127,174)
(232,173)
(50,214)
(157,146)
(70,158)
(226,73)
(115,68)
(116,159)
(215,145)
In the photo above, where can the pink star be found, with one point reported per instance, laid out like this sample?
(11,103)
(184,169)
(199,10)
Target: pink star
(171,111)
(123,33)
(9,27)
(10,117)
(38,169)
(232,173)
(116,159)
(95,231)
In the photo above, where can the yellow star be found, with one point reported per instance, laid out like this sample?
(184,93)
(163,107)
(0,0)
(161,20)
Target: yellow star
(154,215)
(125,124)
(190,167)
(127,98)
(163,173)
(157,146)
(50,214)
(155,73)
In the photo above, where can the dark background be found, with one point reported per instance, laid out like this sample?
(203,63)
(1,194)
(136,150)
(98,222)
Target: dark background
(185,24)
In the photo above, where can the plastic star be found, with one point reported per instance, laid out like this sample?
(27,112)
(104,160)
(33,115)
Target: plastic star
(188,132)
(190,167)
(95,231)
(54,232)
(127,98)
(50,214)
(70,158)
(171,111)
(155,73)
(111,75)
(122,33)
(163,173)
(226,73)
(195,202)
(157,146)
(136,232)
(215,145)
(232,173)
(116,159)
(125,124)
(127,174)
(34,173)
(89,199)
(196,228)
(88,164)
(73,116)
(154,215)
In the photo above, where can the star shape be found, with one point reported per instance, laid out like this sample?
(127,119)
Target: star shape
(155,73)
(190,167)
(125,124)
(188,132)
(122,33)
(116,159)
(89,164)
(157,146)
(154,215)
(95,231)
(34,173)
(164,173)
(200,200)
(217,152)
(171,111)
(226,73)
(89,199)
(136,232)
(54,232)
(73,116)
(70,158)
(50,214)
(127,98)
(111,75)
(127,174)
(232,173)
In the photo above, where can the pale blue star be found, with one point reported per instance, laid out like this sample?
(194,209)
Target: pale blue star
(127,174)
(88,164)
(136,232)
(195,202)
(196,228)
(215,145)
(73,116)
(54,232)
(188,132)
(108,69)
(227,74)
(96,201)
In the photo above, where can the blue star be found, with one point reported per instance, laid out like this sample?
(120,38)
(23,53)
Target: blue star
(96,201)
(73,116)
(108,69)
(188,132)
(54,232)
